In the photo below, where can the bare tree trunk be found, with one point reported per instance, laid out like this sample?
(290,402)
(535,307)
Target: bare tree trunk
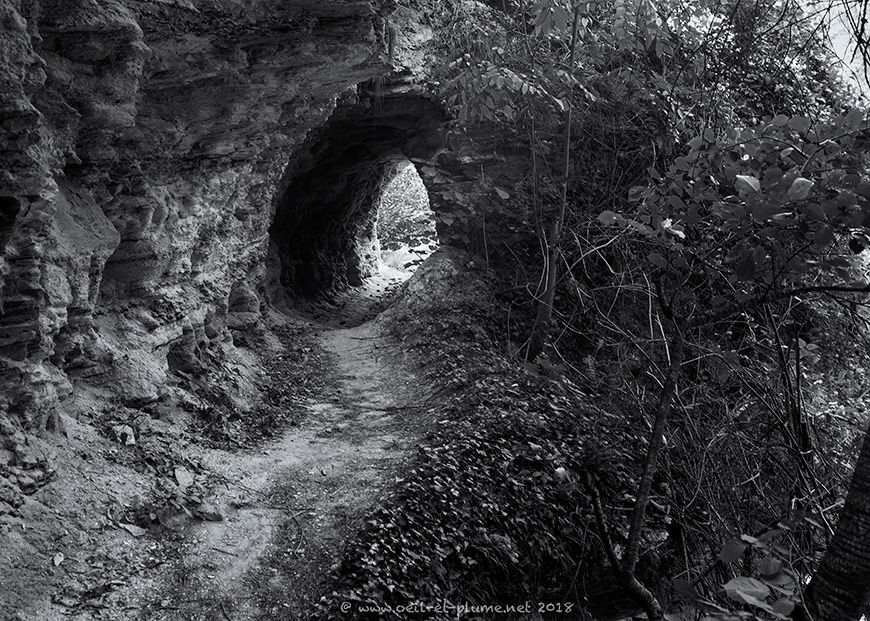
(656,443)
(840,589)
(540,329)
(624,568)
(635,589)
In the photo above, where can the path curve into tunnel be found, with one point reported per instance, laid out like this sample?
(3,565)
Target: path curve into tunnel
(290,507)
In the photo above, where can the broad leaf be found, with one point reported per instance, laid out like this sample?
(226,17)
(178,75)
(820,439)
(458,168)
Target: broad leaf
(769,566)
(747,590)
(608,217)
(783,606)
(732,551)
(799,123)
(799,189)
(747,182)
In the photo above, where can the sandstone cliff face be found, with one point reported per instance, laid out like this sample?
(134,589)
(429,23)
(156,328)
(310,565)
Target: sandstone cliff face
(142,146)
(167,165)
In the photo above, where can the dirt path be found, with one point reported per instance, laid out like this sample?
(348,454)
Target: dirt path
(289,508)
(283,512)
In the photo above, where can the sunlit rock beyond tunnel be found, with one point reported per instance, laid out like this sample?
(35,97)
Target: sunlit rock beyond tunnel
(406,225)
(353,213)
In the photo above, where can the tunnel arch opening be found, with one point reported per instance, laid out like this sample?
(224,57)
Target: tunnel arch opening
(334,225)
(406,228)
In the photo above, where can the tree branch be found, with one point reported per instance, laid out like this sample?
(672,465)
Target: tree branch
(656,442)
(637,591)
(733,309)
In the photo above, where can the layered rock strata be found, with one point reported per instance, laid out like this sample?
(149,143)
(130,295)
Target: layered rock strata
(167,166)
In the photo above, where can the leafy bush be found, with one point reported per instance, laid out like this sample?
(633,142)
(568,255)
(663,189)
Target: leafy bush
(483,513)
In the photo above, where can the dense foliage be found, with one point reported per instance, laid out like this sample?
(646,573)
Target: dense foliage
(716,182)
(697,193)
(485,513)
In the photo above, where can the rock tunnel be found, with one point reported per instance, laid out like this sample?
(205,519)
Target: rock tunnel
(324,237)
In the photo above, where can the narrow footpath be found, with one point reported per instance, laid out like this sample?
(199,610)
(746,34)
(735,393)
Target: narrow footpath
(290,506)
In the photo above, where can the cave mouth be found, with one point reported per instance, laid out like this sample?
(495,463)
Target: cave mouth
(352,212)
(405,230)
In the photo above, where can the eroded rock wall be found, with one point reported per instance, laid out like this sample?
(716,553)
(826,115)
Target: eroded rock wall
(146,147)
(142,144)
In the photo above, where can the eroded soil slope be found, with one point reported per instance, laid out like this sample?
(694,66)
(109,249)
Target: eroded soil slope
(290,507)
(267,522)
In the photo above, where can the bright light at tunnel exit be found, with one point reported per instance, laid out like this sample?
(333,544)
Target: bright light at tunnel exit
(406,224)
